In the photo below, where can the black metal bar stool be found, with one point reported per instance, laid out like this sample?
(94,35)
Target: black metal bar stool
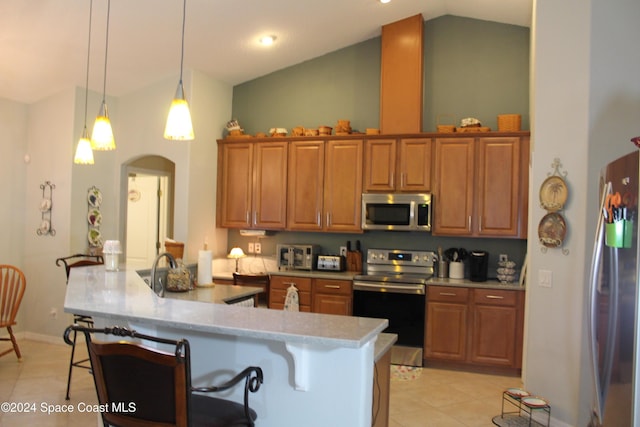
(72,261)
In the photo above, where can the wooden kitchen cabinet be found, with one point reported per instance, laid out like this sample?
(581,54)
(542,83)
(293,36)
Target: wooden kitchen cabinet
(446,323)
(252,185)
(398,165)
(496,328)
(332,296)
(474,326)
(325,186)
(481,186)
(278,286)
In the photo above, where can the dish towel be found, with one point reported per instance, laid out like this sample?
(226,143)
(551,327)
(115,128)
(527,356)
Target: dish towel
(292,301)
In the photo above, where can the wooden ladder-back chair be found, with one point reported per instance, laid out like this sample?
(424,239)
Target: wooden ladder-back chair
(154,387)
(12,286)
(69,262)
(257,280)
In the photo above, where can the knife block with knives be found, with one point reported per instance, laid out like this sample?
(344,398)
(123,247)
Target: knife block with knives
(354,258)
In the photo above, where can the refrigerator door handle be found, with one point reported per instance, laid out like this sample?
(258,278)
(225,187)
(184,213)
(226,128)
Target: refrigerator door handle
(594,288)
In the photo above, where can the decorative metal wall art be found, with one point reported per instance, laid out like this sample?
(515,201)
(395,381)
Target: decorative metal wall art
(554,192)
(46,206)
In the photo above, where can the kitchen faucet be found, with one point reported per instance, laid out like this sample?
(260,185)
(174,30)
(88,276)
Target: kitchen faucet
(152,278)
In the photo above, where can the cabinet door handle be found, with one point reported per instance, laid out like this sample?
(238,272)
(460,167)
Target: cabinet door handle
(328,218)
(494,297)
(448,294)
(480,224)
(255,217)
(469,223)
(246,217)
(332,286)
(318,219)
(402,180)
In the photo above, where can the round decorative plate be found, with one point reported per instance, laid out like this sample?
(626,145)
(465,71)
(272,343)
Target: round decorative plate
(553,193)
(517,392)
(45,226)
(551,230)
(534,402)
(45,205)
(94,197)
(94,217)
(94,237)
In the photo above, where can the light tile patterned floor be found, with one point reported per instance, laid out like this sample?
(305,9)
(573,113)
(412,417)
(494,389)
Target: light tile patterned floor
(438,398)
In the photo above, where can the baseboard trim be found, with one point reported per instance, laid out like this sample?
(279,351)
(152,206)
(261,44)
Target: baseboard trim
(49,339)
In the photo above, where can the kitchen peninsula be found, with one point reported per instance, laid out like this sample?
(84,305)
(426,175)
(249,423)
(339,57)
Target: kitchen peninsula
(311,362)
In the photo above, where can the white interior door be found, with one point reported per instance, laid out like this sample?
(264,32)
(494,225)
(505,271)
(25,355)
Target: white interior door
(143,219)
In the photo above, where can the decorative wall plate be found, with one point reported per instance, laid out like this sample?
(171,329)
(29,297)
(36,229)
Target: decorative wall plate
(553,193)
(551,230)
(95,237)
(94,197)
(45,205)
(94,217)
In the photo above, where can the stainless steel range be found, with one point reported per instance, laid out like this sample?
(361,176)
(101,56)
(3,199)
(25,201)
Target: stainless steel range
(394,288)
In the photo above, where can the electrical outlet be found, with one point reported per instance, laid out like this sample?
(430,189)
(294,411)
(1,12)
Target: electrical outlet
(258,247)
(251,248)
(343,251)
(504,258)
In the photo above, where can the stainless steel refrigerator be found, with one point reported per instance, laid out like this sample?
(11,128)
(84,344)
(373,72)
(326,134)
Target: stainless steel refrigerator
(613,293)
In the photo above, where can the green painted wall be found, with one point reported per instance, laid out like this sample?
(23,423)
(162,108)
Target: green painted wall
(472,69)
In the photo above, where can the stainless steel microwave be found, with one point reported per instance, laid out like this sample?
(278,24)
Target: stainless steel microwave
(396,211)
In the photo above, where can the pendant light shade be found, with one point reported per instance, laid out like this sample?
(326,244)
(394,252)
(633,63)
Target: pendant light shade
(102,136)
(179,126)
(84,153)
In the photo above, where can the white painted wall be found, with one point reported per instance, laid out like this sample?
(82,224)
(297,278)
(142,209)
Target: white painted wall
(584,109)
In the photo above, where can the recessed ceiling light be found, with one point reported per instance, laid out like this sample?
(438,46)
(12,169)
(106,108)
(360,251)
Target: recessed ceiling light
(385,1)
(267,40)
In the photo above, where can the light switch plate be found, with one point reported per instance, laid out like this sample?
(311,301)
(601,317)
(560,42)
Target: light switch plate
(503,258)
(545,278)
(343,251)
(250,248)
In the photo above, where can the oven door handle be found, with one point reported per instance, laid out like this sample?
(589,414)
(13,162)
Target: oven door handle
(388,287)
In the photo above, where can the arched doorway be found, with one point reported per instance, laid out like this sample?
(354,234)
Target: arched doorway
(147,208)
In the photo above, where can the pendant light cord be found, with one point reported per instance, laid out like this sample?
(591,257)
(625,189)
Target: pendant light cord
(184,14)
(86,85)
(106,49)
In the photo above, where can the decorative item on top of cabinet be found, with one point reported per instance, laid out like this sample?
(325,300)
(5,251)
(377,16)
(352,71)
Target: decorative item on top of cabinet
(553,195)
(46,206)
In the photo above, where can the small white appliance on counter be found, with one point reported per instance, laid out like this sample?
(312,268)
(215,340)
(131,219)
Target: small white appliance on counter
(297,257)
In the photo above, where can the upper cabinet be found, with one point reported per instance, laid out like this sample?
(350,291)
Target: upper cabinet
(252,185)
(325,185)
(402,165)
(481,186)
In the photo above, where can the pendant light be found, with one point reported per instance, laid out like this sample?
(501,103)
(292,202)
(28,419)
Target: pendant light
(179,126)
(84,153)
(102,136)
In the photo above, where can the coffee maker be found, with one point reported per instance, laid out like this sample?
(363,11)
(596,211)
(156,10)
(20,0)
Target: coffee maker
(478,266)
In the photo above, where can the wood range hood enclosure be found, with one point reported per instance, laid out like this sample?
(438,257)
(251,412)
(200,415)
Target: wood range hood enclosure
(401,76)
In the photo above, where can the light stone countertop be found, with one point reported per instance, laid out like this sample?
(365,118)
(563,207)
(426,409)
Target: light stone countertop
(217,294)
(123,295)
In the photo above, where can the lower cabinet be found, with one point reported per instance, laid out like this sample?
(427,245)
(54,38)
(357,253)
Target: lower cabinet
(446,323)
(332,296)
(474,326)
(327,296)
(278,286)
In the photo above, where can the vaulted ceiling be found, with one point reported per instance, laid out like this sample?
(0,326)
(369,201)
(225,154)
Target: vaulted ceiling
(44,42)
